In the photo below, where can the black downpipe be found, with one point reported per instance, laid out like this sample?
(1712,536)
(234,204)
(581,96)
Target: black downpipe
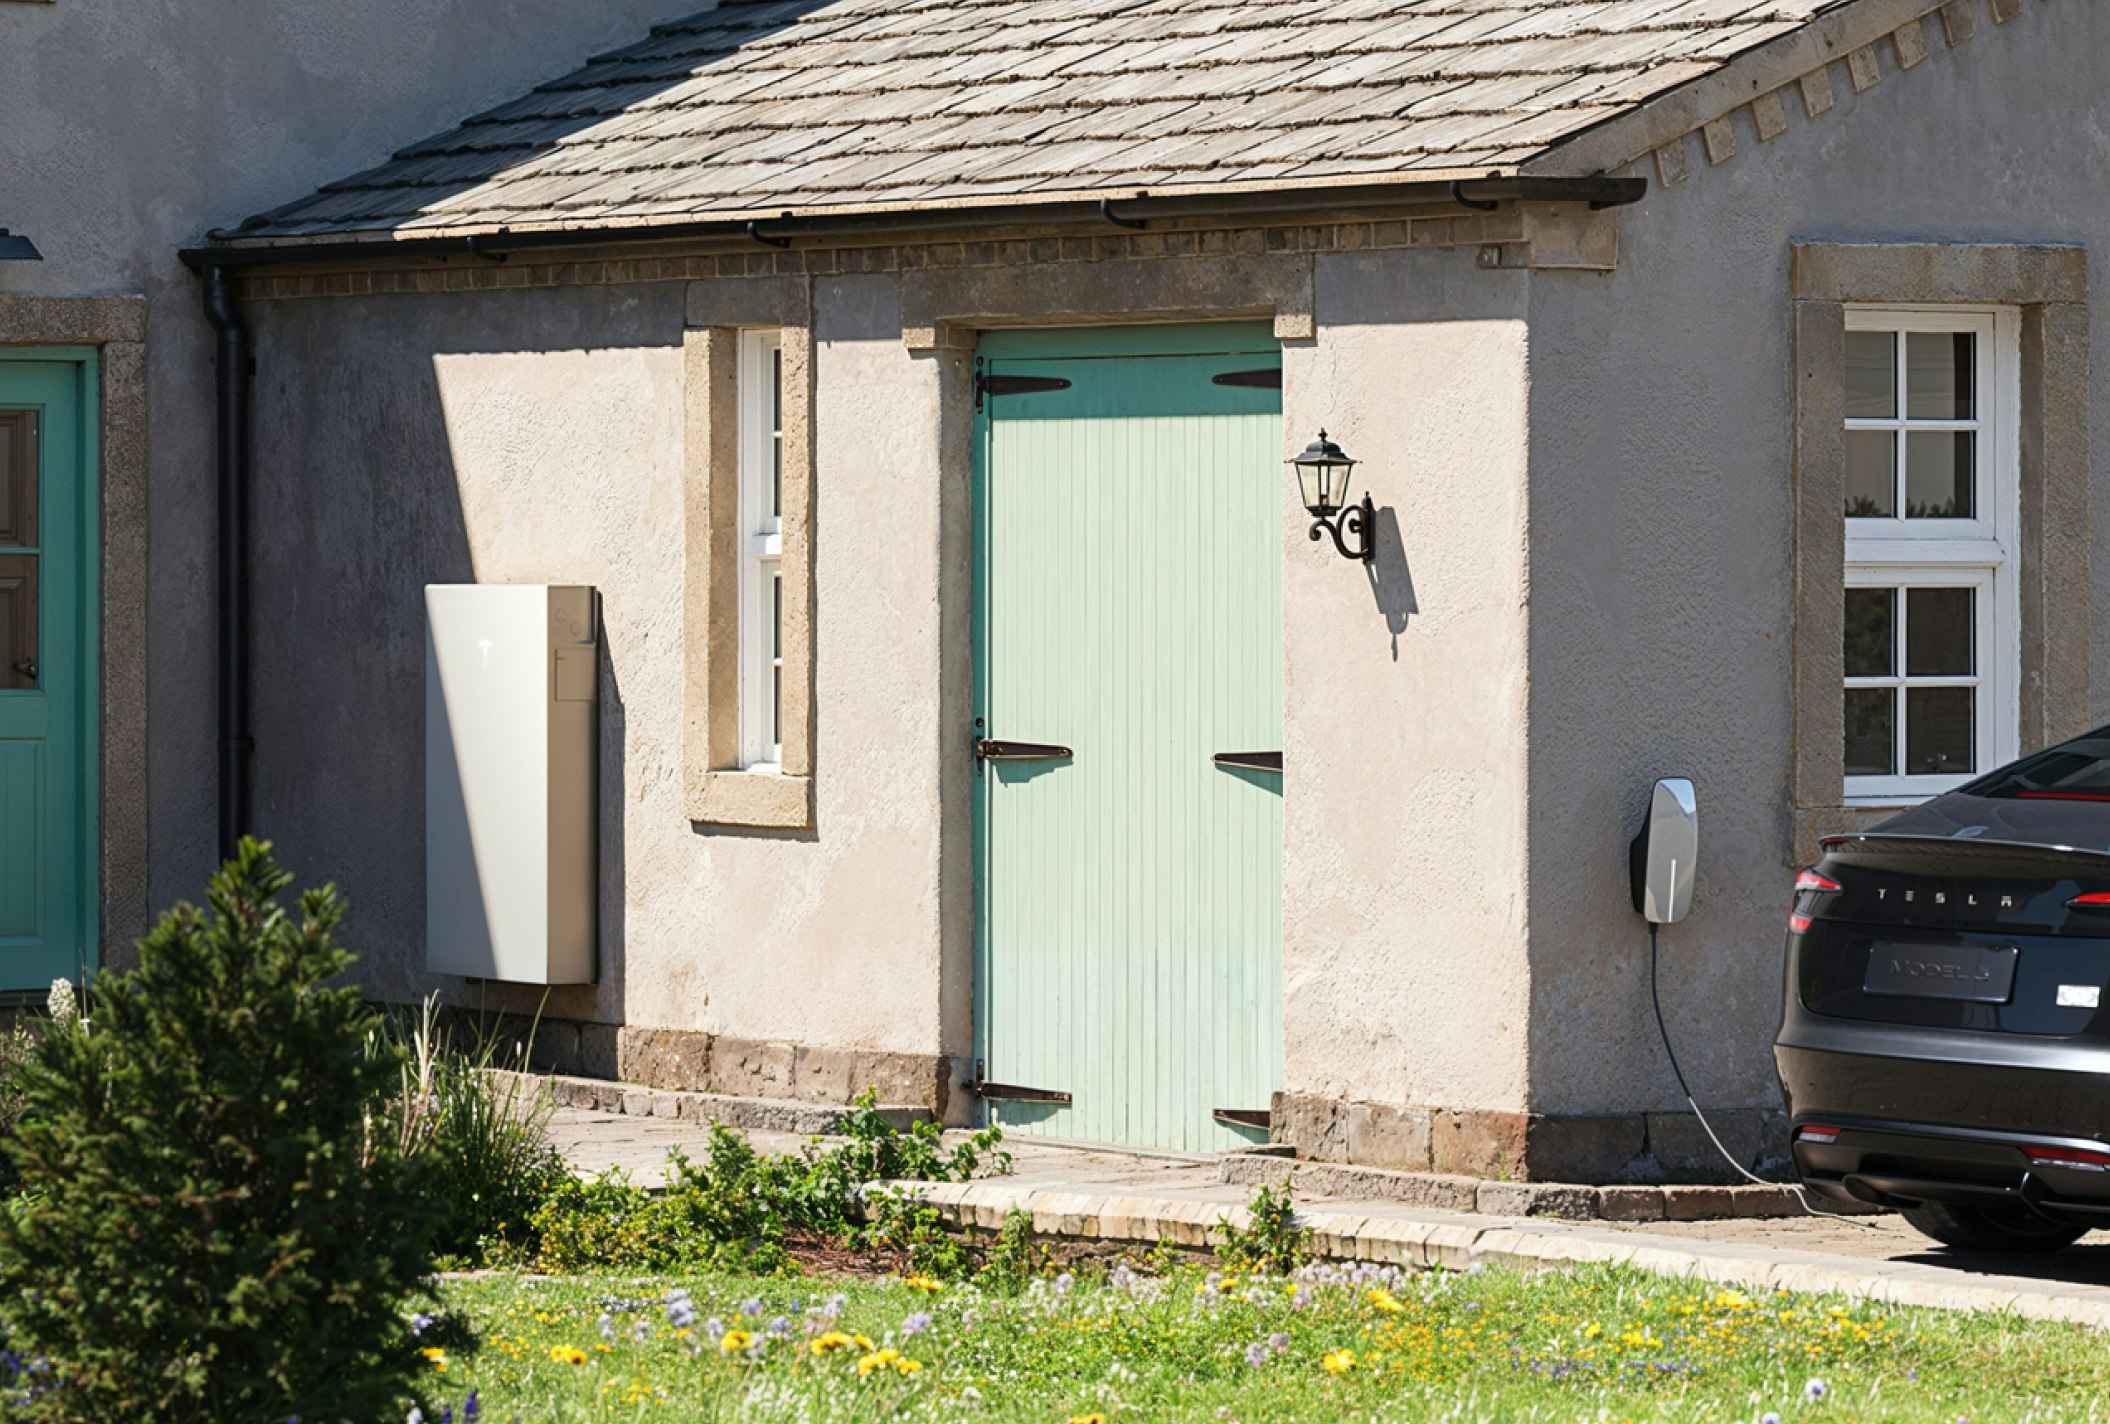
(234,369)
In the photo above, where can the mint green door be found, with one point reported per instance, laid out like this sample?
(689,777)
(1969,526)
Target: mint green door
(47,672)
(1128,610)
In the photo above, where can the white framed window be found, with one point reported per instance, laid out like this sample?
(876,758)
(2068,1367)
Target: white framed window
(761,396)
(1932,627)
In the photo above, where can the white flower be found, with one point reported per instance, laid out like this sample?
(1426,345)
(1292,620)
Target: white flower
(1813,1391)
(61,1003)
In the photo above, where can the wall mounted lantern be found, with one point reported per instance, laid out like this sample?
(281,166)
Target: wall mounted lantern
(1322,474)
(14,247)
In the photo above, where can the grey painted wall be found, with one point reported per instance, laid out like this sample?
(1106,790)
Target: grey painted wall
(131,127)
(1661,533)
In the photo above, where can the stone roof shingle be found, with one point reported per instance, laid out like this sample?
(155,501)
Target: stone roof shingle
(759,107)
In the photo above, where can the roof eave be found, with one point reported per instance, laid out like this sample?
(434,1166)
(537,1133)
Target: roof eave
(1461,191)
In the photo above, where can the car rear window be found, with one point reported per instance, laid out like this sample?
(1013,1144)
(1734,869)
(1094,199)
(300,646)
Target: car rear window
(2078,770)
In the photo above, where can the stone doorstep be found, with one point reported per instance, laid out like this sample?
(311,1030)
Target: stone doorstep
(1525,1199)
(984,1204)
(750,1114)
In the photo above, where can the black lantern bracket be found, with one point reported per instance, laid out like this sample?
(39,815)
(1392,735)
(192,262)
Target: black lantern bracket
(1358,522)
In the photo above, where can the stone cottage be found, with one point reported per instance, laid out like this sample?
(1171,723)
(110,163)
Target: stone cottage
(983,715)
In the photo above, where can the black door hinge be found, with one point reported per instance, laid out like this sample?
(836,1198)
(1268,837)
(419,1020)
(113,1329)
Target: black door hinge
(986,385)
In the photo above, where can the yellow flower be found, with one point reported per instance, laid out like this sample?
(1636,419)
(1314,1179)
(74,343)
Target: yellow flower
(923,1283)
(907,1366)
(833,1340)
(1338,1362)
(1384,1301)
(734,1341)
(567,1354)
(1087,1419)
(861,1342)
(437,1356)
(1592,1330)
(877,1360)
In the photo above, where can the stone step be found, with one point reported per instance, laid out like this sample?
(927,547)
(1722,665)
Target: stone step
(1566,1201)
(749,1114)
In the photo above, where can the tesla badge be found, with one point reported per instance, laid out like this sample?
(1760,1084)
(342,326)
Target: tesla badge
(2080,996)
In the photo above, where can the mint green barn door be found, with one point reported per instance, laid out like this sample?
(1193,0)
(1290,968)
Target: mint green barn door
(47,672)
(1128,612)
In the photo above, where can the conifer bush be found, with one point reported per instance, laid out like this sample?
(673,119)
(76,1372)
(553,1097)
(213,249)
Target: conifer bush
(207,1228)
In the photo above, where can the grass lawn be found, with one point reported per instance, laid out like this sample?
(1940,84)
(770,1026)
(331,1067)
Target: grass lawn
(1592,1344)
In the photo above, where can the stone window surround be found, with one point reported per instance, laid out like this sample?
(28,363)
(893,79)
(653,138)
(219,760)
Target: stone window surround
(116,326)
(718,792)
(2049,284)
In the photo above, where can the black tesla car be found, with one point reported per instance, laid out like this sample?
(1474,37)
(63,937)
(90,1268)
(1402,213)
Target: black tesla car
(1945,1046)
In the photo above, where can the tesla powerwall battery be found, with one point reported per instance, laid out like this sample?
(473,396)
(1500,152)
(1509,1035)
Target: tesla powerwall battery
(512,681)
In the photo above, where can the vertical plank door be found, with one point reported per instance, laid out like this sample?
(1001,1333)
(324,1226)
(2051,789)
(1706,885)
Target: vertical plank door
(1128,557)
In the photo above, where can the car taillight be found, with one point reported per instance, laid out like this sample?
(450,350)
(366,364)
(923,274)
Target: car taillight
(1816,1134)
(2079,1157)
(1811,880)
(1797,924)
(2096,900)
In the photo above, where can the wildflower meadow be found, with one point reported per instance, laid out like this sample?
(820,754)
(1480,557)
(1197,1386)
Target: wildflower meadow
(1187,1343)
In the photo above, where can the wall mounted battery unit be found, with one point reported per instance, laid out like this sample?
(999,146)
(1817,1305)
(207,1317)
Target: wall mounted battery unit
(512,682)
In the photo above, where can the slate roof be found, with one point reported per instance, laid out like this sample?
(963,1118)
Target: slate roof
(758,107)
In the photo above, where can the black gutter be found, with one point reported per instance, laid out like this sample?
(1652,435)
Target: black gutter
(233,371)
(1472,193)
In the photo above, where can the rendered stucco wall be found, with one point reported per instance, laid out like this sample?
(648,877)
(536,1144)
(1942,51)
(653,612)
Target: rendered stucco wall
(1405,692)
(537,437)
(133,128)
(1661,526)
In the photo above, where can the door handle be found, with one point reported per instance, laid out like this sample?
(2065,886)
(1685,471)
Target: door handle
(986,749)
(27,667)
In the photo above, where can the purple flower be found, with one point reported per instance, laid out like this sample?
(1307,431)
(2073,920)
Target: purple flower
(751,1306)
(471,1407)
(835,1305)
(1278,1342)
(779,1327)
(1256,1354)
(1063,1283)
(714,1327)
(607,1324)
(1813,1391)
(681,1311)
(420,1323)
(916,1324)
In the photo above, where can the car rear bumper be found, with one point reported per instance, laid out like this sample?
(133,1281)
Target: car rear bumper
(1918,1122)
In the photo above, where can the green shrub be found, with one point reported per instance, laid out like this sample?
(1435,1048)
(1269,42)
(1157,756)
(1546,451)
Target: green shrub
(732,1210)
(208,1232)
(1276,1242)
(15,1049)
(477,1128)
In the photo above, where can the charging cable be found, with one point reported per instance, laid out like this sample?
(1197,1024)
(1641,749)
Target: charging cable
(1802,1193)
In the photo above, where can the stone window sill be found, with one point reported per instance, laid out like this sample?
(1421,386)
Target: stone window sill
(754,798)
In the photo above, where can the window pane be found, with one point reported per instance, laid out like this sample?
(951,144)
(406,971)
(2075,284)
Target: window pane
(776,430)
(1871,474)
(1938,734)
(1869,739)
(18,477)
(1871,375)
(776,655)
(1870,630)
(1940,379)
(1938,632)
(18,621)
(1938,474)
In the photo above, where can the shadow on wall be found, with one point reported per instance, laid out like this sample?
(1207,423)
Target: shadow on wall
(1391,581)
(358,504)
